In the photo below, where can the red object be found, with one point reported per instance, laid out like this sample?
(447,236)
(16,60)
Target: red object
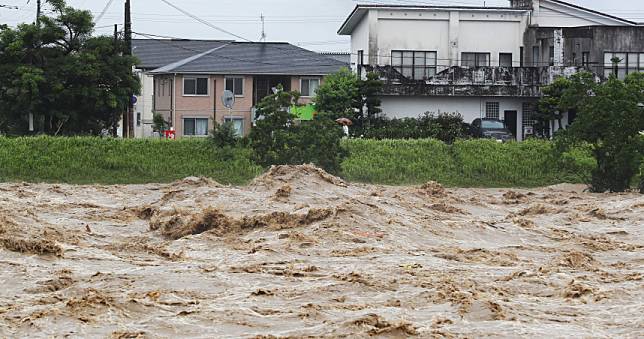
(170,134)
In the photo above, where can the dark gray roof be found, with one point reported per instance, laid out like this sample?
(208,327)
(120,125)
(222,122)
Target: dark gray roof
(276,58)
(340,56)
(154,53)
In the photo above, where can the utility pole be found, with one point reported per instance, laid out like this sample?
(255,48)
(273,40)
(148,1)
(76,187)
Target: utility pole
(128,119)
(38,9)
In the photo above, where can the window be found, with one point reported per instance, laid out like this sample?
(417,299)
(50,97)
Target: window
(475,59)
(536,56)
(417,65)
(360,62)
(195,86)
(492,110)
(138,119)
(195,126)
(628,63)
(552,55)
(528,118)
(521,57)
(308,87)
(235,85)
(505,59)
(238,124)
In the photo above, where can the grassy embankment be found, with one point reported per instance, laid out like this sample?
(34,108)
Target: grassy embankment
(113,161)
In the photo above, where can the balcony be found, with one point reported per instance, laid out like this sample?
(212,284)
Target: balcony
(479,81)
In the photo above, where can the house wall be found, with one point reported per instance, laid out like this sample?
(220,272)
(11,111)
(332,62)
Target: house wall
(243,105)
(449,32)
(360,42)
(163,88)
(209,106)
(469,107)
(144,105)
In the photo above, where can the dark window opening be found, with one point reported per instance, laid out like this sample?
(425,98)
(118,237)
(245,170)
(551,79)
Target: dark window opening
(475,59)
(505,59)
(418,65)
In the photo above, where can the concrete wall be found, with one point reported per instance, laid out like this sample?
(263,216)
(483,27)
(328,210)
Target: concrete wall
(449,32)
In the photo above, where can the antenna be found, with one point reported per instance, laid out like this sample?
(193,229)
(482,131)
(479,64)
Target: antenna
(263,37)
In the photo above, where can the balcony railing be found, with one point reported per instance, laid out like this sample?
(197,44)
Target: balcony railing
(479,81)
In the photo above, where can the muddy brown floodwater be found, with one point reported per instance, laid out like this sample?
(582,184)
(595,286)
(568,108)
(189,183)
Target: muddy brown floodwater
(300,253)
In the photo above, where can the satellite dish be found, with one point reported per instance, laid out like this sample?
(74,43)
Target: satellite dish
(228,99)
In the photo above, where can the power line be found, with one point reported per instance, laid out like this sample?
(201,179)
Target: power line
(204,21)
(107,6)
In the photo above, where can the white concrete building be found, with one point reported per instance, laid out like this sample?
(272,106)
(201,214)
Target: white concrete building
(477,61)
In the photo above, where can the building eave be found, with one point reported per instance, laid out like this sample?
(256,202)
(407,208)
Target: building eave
(592,11)
(360,11)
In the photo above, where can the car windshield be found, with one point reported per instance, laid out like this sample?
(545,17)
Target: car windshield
(492,124)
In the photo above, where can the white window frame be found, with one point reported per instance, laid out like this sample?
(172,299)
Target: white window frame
(195,78)
(183,121)
(231,118)
(311,95)
(233,77)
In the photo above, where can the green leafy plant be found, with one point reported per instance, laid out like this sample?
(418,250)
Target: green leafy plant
(224,135)
(280,139)
(610,122)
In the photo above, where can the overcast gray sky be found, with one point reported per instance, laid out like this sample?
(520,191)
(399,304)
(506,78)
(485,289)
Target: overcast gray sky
(311,24)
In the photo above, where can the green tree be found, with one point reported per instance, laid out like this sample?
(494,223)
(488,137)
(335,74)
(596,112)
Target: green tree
(610,121)
(280,139)
(563,96)
(339,95)
(344,94)
(69,81)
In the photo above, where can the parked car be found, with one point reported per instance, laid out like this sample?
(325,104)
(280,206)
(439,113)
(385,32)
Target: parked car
(488,128)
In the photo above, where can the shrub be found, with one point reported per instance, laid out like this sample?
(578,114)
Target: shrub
(278,139)
(446,127)
(223,135)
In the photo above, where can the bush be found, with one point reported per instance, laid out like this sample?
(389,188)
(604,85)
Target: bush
(278,139)
(446,127)
(223,135)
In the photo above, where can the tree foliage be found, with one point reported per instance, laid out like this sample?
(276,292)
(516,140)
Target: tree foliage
(563,96)
(68,80)
(280,139)
(345,95)
(610,121)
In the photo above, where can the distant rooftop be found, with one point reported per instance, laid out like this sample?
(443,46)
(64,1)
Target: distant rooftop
(230,57)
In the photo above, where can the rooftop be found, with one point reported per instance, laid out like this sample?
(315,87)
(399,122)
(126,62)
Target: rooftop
(231,57)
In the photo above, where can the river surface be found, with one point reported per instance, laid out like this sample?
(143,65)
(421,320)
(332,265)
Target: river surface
(299,253)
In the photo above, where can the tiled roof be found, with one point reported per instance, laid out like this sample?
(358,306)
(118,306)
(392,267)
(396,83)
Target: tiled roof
(154,53)
(228,57)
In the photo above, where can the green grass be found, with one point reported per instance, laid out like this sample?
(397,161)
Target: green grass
(84,160)
(398,162)
(468,163)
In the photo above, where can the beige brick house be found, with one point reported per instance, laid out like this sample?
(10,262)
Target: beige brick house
(188,92)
